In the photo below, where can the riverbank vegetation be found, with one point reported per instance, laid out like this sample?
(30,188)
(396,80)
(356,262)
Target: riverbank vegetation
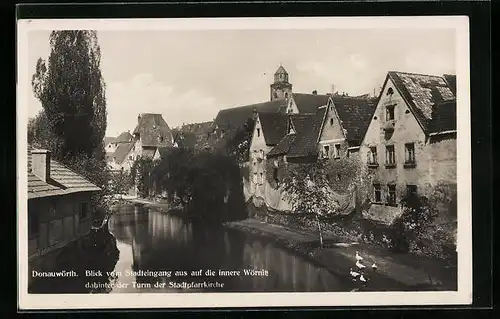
(202,184)
(72,122)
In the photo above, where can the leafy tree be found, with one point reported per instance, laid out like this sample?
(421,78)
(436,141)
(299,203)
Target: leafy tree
(141,173)
(307,188)
(205,184)
(121,182)
(237,144)
(72,122)
(71,90)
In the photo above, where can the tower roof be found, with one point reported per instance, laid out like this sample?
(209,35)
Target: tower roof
(281,70)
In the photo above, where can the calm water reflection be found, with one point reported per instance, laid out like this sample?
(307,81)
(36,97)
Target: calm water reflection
(150,240)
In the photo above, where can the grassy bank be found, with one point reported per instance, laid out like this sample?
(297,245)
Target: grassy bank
(394,272)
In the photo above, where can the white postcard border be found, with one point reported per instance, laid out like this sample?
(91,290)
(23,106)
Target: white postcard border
(207,300)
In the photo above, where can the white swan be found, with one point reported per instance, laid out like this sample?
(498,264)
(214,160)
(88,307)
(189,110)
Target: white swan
(358,257)
(360,265)
(353,273)
(362,278)
(374,266)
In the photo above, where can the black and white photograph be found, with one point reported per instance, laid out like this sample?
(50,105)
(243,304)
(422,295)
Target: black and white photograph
(285,161)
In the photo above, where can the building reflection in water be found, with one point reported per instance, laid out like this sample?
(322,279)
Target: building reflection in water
(152,240)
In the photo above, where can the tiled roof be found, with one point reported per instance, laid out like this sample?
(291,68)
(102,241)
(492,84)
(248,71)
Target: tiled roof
(153,130)
(62,181)
(274,127)
(355,116)
(283,146)
(197,128)
(422,92)
(308,130)
(124,137)
(281,70)
(309,103)
(451,79)
(122,151)
(444,117)
(233,118)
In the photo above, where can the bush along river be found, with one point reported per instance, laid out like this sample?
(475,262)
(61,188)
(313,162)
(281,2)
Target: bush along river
(147,250)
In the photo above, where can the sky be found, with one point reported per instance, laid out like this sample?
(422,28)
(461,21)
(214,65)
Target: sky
(188,76)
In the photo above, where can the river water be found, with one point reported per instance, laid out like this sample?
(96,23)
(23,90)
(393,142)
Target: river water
(159,252)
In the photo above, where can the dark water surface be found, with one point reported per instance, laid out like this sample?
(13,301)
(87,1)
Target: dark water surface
(151,246)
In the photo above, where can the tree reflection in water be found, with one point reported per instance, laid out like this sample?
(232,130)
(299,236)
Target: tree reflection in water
(160,241)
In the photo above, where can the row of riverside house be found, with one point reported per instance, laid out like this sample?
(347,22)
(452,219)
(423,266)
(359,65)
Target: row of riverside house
(406,137)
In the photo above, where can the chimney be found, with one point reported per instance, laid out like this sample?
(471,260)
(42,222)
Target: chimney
(138,118)
(40,164)
(315,92)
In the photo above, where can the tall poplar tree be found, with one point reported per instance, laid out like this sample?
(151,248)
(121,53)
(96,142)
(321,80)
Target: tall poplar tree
(71,90)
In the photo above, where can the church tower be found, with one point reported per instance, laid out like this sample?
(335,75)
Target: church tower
(281,88)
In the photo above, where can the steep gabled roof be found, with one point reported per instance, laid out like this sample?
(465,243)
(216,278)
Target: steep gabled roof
(422,93)
(123,138)
(444,117)
(62,181)
(309,103)
(355,115)
(122,151)
(308,130)
(274,127)
(153,130)
(233,118)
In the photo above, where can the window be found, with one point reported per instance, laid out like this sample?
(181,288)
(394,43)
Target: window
(411,190)
(286,95)
(258,132)
(389,113)
(331,121)
(255,178)
(391,194)
(390,91)
(84,210)
(326,151)
(33,223)
(410,153)
(337,150)
(261,181)
(373,158)
(275,175)
(377,193)
(390,157)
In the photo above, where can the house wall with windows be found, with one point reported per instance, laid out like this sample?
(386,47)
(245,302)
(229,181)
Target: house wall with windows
(332,142)
(395,150)
(55,221)
(257,160)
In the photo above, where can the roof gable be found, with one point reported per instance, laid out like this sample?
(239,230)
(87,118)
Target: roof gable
(122,151)
(274,127)
(354,115)
(153,130)
(422,93)
(123,138)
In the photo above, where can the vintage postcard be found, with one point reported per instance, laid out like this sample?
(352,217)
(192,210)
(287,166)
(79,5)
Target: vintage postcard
(263,162)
